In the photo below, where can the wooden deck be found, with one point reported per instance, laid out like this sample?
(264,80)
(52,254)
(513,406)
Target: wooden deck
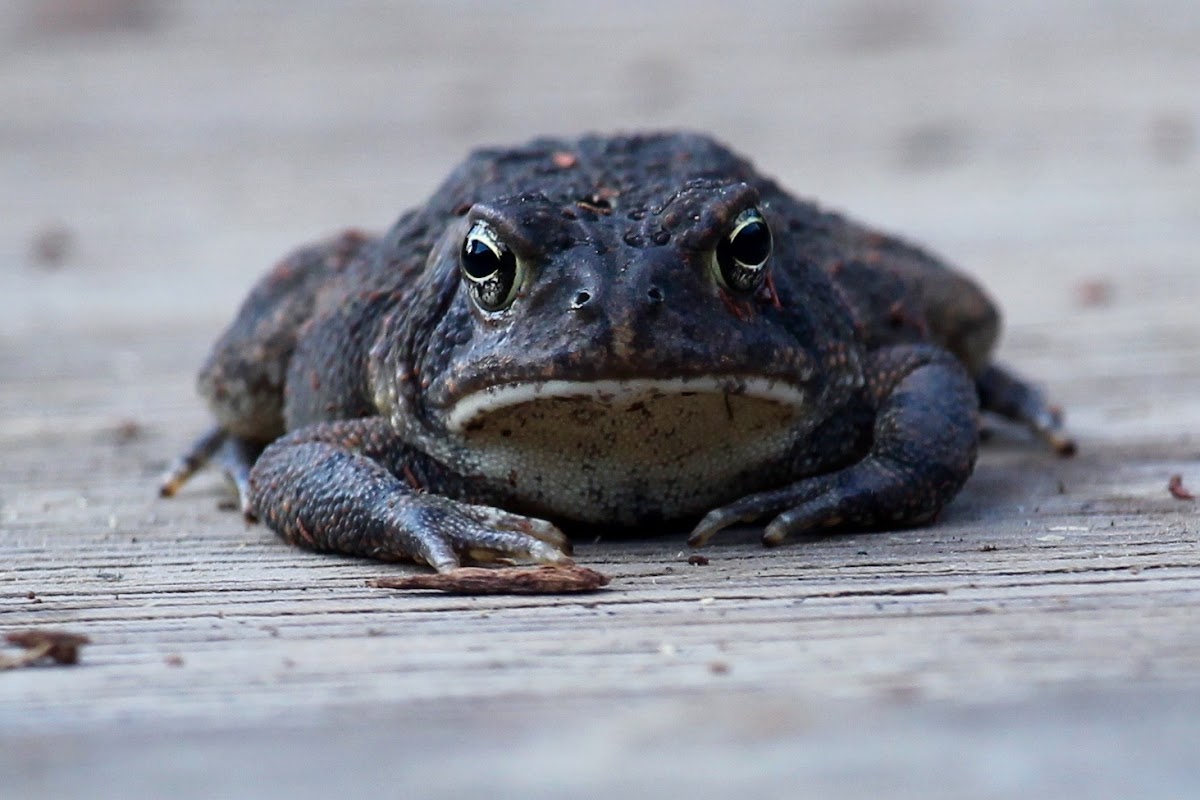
(1042,640)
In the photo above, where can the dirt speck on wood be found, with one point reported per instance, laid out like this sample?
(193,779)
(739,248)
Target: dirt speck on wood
(1178,490)
(51,247)
(1094,293)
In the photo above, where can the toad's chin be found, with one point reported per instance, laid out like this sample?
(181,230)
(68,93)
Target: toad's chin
(624,451)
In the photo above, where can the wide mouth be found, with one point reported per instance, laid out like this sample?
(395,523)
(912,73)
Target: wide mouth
(630,450)
(471,411)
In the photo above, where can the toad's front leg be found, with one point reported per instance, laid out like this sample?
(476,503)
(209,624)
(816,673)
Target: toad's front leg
(924,447)
(328,487)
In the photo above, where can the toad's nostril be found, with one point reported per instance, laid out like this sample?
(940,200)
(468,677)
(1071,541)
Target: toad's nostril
(581,299)
(655,294)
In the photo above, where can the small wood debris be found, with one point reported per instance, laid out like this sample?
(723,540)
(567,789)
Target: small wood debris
(126,431)
(59,646)
(51,247)
(697,560)
(1094,293)
(1173,138)
(543,579)
(1178,490)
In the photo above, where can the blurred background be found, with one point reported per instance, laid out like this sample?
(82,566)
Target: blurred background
(190,142)
(156,157)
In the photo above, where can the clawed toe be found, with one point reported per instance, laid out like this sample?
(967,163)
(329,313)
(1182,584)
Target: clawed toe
(197,454)
(235,457)
(714,522)
(538,529)
(489,535)
(794,521)
(757,506)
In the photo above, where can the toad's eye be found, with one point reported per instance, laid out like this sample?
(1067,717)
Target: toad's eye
(489,268)
(741,257)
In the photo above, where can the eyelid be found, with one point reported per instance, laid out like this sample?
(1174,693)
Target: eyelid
(745,218)
(483,232)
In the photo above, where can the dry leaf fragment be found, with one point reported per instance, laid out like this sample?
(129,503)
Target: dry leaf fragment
(543,579)
(60,646)
(1178,490)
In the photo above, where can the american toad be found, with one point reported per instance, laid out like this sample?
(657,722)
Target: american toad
(621,331)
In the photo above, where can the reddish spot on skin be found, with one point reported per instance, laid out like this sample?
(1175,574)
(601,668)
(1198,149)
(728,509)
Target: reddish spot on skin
(900,317)
(564,160)
(734,307)
(411,479)
(774,295)
(587,206)
(305,534)
(348,244)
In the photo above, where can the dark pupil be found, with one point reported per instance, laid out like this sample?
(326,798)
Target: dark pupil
(490,274)
(478,260)
(741,257)
(752,244)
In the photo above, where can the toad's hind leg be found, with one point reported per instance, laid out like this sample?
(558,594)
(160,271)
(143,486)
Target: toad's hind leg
(955,312)
(1006,395)
(244,376)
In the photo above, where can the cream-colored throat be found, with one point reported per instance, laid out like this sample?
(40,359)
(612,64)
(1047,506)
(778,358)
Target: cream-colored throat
(619,452)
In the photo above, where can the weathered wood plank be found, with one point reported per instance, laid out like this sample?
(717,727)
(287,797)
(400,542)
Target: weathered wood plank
(1043,638)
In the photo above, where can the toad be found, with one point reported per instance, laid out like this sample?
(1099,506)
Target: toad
(620,331)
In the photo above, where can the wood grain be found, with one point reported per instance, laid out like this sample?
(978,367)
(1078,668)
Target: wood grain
(1043,639)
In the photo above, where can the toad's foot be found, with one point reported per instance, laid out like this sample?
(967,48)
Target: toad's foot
(234,455)
(446,528)
(192,460)
(867,495)
(1011,397)
(923,451)
(326,488)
